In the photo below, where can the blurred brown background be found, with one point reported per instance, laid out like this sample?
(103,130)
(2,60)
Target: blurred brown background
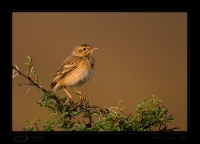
(141,53)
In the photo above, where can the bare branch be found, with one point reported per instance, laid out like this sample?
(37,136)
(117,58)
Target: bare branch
(32,83)
(26,85)
(14,76)
(36,78)
(29,88)
(155,100)
(14,73)
(110,110)
(16,67)
(66,101)
(31,71)
(168,130)
(123,114)
(41,100)
(30,80)
(99,117)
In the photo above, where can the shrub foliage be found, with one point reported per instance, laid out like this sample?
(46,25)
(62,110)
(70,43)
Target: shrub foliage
(150,114)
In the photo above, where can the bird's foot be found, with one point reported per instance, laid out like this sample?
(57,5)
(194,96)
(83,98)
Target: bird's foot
(83,97)
(69,96)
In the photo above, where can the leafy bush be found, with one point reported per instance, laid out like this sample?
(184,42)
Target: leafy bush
(150,115)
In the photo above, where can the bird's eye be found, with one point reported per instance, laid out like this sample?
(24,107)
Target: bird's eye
(84,49)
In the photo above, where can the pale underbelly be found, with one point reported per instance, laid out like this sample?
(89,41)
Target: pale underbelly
(79,78)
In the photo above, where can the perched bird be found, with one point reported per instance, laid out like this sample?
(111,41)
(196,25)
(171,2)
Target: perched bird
(75,71)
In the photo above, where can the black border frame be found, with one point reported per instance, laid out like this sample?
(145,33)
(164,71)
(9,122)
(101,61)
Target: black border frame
(66,137)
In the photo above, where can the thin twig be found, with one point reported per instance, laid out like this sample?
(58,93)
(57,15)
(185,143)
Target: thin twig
(66,101)
(29,88)
(35,84)
(168,130)
(31,71)
(155,100)
(23,84)
(101,115)
(36,78)
(36,126)
(16,67)
(123,114)
(110,110)
(14,73)
(14,76)
(30,80)
(90,120)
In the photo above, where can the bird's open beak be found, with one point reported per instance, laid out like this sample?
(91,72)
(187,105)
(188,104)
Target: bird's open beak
(92,49)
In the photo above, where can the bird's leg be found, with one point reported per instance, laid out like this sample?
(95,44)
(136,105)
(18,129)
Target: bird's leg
(69,95)
(82,96)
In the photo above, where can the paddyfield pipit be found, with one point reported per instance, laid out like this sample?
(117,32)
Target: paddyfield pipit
(75,71)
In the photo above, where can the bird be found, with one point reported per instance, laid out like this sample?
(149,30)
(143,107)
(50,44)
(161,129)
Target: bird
(76,70)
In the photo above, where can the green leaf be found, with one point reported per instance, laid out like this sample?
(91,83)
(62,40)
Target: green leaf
(79,112)
(65,113)
(93,106)
(95,114)
(169,118)
(42,79)
(106,128)
(29,128)
(33,73)
(153,96)
(51,115)
(120,101)
(141,129)
(27,120)
(146,123)
(86,115)
(155,110)
(149,101)
(162,112)
(159,101)
(122,109)
(64,109)
(91,129)
(74,112)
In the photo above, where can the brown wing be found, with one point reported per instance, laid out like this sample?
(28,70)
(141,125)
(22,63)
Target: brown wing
(68,65)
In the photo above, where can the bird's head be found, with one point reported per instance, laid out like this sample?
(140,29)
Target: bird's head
(83,50)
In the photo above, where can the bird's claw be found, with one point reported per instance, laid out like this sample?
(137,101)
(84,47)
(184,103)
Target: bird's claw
(83,98)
